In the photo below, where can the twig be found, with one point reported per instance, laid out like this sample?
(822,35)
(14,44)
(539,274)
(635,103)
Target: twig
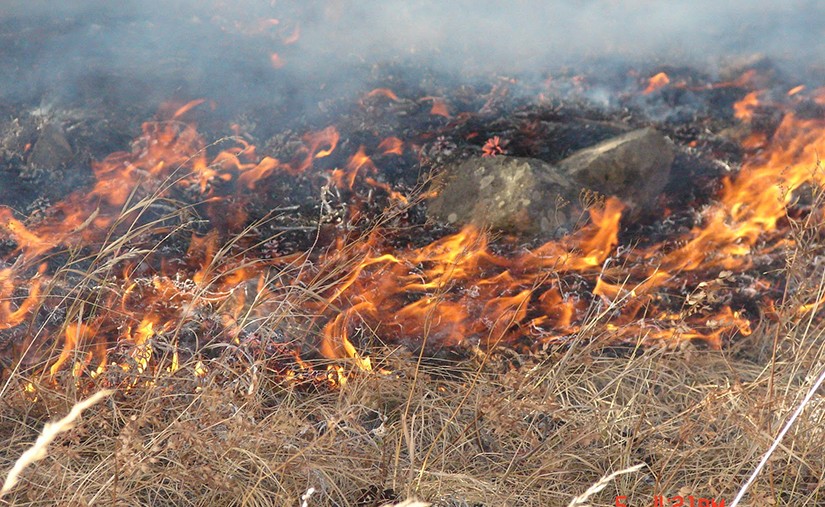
(50,431)
(778,439)
(580,501)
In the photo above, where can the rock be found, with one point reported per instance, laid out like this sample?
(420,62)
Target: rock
(529,196)
(51,150)
(507,193)
(634,167)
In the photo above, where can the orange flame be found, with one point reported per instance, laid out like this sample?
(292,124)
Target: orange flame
(656,82)
(455,290)
(744,108)
(277,61)
(439,107)
(391,146)
(383,92)
(796,90)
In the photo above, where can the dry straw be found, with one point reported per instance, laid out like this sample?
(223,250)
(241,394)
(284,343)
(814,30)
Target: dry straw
(778,440)
(581,500)
(50,432)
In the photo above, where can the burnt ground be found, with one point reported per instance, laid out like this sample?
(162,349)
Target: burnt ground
(49,147)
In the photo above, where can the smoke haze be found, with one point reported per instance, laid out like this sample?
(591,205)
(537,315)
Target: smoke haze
(223,50)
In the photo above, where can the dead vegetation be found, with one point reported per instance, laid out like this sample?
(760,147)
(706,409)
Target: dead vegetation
(576,422)
(492,430)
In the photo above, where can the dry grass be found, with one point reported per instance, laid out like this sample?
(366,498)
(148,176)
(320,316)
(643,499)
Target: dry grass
(540,434)
(568,425)
(50,431)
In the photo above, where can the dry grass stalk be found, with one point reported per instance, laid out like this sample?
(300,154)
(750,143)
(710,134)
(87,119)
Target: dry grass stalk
(778,440)
(456,433)
(581,500)
(49,433)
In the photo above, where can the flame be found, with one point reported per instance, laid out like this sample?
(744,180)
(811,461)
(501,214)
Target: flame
(26,240)
(744,108)
(358,162)
(292,37)
(277,61)
(391,146)
(187,107)
(383,92)
(336,344)
(461,289)
(755,200)
(656,82)
(142,352)
(439,107)
(318,145)
(796,90)
(264,168)
(10,317)
(78,334)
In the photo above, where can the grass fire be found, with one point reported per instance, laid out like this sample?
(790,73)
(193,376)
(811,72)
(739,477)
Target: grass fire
(238,267)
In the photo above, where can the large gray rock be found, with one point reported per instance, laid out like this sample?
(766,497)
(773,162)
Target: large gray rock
(634,167)
(529,196)
(507,193)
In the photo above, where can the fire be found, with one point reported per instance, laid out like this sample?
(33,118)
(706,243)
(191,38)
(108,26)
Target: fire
(656,82)
(465,288)
(357,163)
(439,107)
(293,36)
(277,61)
(391,146)
(493,147)
(383,92)
(12,317)
(754,201)
(796,90)
(743,109)
(319,145)
(76,334)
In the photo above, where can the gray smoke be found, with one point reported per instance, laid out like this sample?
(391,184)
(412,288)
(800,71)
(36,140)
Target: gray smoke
(153,49)
(514,35)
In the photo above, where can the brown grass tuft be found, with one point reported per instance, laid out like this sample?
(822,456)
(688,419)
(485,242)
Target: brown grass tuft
(494,429)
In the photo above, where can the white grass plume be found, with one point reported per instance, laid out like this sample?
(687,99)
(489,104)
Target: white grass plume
(50,431)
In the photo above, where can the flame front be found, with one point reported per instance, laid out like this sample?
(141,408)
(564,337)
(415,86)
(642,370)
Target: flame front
(453,291)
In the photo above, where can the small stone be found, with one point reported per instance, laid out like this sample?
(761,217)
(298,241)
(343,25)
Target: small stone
(499,192)
(51,150)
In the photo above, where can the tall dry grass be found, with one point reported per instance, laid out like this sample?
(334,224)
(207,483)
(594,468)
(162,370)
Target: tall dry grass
(554,428)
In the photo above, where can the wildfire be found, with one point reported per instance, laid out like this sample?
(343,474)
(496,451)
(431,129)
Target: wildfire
(383,92)
(455,290)
(493,147)
(439,107)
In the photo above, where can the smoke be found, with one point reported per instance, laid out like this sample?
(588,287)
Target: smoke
(518,33)
(151,50)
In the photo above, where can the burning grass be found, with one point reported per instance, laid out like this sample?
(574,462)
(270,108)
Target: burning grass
(479,432)
(364,365)
(491,428)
